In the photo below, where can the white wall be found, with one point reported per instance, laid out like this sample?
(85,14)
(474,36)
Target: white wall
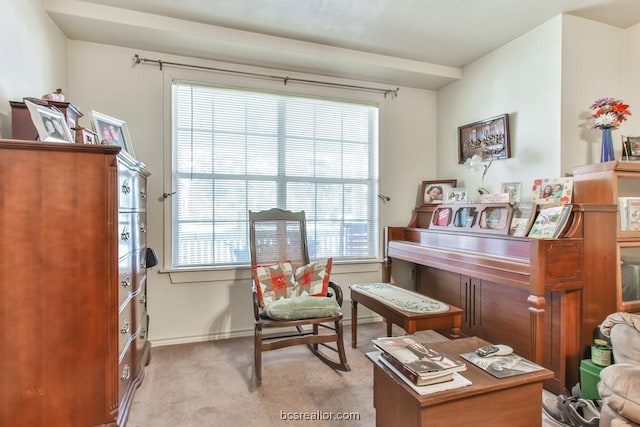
(631,61)
(521,78)
(33,56)
(216,304)
(592,67)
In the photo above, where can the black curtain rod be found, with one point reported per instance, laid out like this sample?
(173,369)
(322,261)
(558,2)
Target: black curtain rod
(391,92)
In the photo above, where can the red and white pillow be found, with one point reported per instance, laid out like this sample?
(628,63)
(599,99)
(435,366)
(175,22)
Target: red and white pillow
(313,278)
(273,282)
(278,281)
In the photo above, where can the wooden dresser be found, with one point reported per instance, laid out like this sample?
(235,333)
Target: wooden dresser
(73,320)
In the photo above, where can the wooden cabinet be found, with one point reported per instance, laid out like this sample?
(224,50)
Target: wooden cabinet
(72,291)
(616,274)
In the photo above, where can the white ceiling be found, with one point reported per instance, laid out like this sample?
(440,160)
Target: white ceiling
(417,43)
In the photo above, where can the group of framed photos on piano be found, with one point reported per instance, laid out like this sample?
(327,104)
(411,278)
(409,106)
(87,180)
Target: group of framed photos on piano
(544,217)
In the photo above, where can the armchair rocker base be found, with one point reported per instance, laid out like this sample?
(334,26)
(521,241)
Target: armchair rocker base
(312,338)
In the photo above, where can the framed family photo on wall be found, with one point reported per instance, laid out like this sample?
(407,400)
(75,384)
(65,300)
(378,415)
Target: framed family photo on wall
(111,131)
(432,192)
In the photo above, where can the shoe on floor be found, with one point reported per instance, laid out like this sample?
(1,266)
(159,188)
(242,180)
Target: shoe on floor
(583,412)
(555,408)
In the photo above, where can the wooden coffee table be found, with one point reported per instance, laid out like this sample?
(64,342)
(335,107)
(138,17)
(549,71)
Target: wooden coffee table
(498,402)
(409,321)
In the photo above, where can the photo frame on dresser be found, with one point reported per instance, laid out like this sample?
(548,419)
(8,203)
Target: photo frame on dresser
(50,123)
(111,131)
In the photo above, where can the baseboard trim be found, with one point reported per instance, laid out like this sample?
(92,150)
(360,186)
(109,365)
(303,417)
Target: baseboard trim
(161,342)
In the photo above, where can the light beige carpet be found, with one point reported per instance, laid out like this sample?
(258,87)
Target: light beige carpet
(211,384)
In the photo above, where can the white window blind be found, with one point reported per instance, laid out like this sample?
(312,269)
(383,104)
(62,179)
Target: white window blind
(235,151)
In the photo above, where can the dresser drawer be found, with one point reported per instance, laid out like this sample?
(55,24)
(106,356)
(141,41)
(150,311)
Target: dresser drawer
(140,302)
(127,187)
(140,221)
(126,371)
(126,279)
(141,192)
(126,327)
(125,234)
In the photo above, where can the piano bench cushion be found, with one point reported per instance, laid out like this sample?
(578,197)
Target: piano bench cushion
(401,298)
(303,307)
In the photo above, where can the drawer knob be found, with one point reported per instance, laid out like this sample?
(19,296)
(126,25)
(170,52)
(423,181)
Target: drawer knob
(126,188)
(126,281)
(126,372)
(126,328)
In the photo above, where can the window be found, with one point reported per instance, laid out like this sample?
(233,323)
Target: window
(235,151)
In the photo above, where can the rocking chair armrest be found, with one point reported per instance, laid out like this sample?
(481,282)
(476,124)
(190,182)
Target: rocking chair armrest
(337,290)
(256,305)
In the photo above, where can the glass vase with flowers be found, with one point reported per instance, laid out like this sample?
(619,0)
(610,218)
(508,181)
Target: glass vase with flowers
(608,114)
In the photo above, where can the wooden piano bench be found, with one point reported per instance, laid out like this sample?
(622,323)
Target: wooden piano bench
(409,310)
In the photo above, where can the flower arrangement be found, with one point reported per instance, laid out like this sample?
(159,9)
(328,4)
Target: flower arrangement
(609,113)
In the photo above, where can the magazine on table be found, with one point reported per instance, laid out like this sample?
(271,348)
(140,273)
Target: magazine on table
(502,366)
(457,380)
(420,359)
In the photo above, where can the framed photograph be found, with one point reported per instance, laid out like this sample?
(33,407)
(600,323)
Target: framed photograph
(86,136)
(111,131)
(631,147)
(456,195)
(523,216)
(553,190)
(488,138)
(513,188)
(432,192)
(50,123)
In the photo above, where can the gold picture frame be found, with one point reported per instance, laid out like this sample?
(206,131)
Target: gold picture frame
(440,186)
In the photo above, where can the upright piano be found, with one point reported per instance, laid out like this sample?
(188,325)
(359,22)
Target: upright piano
(527,293)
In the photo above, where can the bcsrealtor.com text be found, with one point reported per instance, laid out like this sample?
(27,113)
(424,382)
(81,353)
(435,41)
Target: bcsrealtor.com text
(319,416)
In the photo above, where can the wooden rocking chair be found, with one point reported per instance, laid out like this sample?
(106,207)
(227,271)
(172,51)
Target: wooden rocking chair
(276,236)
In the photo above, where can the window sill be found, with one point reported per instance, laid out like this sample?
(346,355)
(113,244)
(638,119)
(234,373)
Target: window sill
(227,274)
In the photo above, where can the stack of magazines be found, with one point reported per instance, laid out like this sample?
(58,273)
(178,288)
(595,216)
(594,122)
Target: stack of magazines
(418,362)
